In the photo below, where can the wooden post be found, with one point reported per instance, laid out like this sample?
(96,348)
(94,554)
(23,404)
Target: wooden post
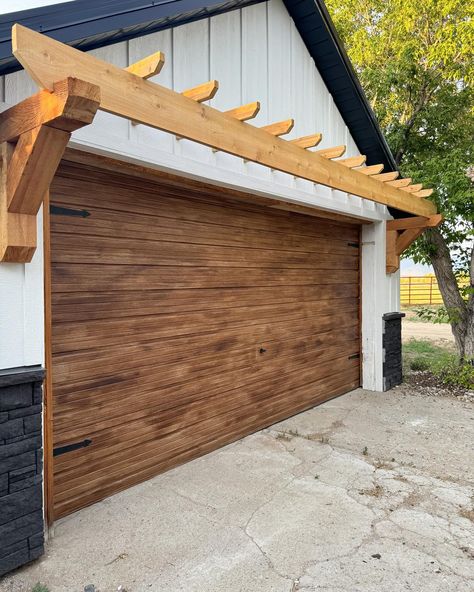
(48,383)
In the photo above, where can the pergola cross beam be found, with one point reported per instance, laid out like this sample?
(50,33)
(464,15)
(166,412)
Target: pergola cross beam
(127,95)
(401,233)
(33,137)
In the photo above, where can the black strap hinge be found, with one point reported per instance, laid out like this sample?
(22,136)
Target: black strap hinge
(71,447)
(60,211)
(354,245)
(353,356)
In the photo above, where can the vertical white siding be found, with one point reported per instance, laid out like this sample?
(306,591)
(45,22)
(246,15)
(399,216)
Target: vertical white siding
(22,310)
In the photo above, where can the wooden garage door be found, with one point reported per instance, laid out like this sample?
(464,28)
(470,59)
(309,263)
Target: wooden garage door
(184,319)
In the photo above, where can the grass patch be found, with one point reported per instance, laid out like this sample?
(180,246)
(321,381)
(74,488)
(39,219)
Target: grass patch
(40,588)
(421,355)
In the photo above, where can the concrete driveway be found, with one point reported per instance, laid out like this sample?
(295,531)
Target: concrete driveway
(371,492)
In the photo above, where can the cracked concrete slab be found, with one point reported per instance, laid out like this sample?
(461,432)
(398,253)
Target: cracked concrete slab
(370,492)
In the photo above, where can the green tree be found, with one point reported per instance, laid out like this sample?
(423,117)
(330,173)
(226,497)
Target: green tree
(416,64)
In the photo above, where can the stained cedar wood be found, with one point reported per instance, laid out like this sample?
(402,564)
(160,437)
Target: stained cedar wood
(161,301)
(48,426)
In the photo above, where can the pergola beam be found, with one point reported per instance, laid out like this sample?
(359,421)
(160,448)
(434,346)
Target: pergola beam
(41,127)
(70,104)
(402,232)
(129,96)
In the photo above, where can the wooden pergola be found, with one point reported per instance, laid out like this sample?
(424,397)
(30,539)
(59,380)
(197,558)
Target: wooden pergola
(35,133)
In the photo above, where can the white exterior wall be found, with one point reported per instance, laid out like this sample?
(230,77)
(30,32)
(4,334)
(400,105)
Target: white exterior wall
(256,53)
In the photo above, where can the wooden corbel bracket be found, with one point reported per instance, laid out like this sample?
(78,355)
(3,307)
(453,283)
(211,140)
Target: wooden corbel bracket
(401,233)
(33,137)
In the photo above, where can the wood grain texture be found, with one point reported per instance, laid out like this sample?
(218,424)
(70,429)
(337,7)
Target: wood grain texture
(183,319)
(131,97)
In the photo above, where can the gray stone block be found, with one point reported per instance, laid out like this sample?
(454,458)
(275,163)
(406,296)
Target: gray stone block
(11,429)
(37,393)
(32,424)
(3,416)
(17,448)
(3,483)
(13,397)
(23,473)
(39,461)
(22,528)
(14,560)
(15,439)
(28,482)
(20,503)
(36,540)
(16,462)
(9,549)
(33,409)
(36,553)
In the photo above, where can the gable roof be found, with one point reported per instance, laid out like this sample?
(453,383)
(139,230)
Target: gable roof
(89,24)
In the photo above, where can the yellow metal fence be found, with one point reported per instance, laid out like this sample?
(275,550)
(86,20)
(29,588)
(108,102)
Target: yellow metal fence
(420,290)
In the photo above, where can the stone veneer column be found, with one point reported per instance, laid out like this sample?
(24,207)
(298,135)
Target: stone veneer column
(21,467)
(392,350)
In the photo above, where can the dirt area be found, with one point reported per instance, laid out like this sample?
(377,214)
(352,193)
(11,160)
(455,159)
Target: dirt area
(440,334)
(370,492)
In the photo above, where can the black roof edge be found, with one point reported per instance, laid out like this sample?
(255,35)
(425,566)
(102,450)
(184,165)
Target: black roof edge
(88,24)
(350,75)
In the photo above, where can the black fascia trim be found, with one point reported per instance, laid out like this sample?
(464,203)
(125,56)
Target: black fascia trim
(321,48)
(96,23)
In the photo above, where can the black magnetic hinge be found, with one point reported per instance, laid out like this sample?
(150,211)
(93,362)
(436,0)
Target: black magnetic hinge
(60,211)
(353,356)
(71,447)
(262,350)
(355,245)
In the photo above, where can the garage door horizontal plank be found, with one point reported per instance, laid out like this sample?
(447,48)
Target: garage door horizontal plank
(106,223)
(157,202)
(149,467)
(70,277)
(181,447)
(71,337)
(79,386)
(148,424)
(87,408)
(128,175)
(92,249)
(71,306)
(230,409)
(87,364)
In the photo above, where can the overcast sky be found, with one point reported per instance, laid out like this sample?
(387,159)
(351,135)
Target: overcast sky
(16,5)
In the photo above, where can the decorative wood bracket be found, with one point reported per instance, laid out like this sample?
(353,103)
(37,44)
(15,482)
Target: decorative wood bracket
(401,233)
(33,137)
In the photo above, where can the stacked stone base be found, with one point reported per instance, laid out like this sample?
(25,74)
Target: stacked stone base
(21,467)
(392,348)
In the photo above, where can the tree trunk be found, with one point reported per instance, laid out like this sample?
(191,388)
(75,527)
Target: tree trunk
(461,316)
(469,340)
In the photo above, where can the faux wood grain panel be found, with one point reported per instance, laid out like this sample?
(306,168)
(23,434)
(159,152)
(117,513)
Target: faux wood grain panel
(183,319)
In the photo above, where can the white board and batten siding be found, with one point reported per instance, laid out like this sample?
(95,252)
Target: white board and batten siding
(256,53)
